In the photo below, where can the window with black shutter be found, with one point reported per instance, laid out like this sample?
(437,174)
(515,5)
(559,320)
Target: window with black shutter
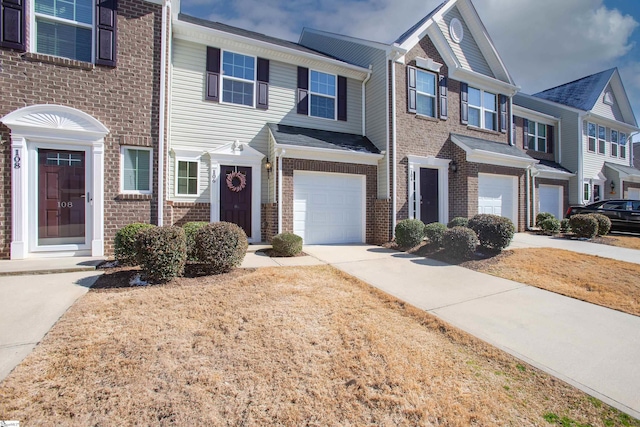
(12,24)
(212,92)
(303,91)
(262,101)
(106,35)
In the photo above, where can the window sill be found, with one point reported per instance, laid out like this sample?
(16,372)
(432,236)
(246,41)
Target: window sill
(124,196)
(56,60)
(427,118)
(489,131)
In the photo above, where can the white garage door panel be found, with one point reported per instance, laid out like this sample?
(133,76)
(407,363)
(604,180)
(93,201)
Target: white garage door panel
(633,193)
(328,208)
(497,196)
(550,200)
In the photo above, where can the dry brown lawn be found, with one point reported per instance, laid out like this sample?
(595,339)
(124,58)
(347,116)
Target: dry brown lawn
(630,242)
(602,281)
(285,346)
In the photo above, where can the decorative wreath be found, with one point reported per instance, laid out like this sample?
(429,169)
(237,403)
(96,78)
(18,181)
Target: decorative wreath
(236,188)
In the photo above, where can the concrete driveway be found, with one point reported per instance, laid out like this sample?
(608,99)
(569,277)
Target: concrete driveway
(30,305)
(593,348)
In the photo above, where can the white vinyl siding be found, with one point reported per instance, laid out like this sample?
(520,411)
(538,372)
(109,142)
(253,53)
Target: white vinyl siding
(191,115)
(605,110)
(467,52)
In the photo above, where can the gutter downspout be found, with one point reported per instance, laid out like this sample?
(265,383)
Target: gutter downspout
(559,139)
(533,193)
(280,155)
(580,160)
(166,6)
(528,189)
(512,137)
(630,143)
(388,171)
(364,99)
(394,201)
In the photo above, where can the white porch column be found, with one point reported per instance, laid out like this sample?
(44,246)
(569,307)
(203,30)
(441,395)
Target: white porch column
(96,206)
(19,199)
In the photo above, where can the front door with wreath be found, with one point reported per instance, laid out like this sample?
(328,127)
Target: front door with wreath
(235,196)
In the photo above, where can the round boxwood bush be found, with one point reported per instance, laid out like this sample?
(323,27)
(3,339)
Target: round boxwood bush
(125,243)
(584,225)
(190,230)
(162,252)
(565,227)
(434,232)
(458,221)
(493,231)
(550,225)
(409,233)
(459,242)
(541,217)
(221,246)
(604,224)
(286,244)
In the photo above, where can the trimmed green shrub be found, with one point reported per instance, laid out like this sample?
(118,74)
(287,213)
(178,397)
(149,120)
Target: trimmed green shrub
(565,227)
(493,231)
(550,225)
(162,252)
(221,246)
(434,232)
(460,242)
(190,230)
(125,243)
(458,221)
(542,216)
(604,224)
(409,233)
(584,225)
(286,244)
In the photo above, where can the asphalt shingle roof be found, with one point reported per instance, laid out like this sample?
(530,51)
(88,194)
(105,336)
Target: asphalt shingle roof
(548,166)
(490,146)
(314,138)
(411,30)
(626,169)
(582,93)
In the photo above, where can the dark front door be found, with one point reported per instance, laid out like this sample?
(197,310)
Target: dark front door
(235,196)
(61,197)
(429,208)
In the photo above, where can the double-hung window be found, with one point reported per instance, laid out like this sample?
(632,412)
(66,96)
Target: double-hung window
(592,135)
(64,28)
(136,172)
(622,141)
(537,136)
(187,178)
(425,93)
(602,139)
(238,78)
(322,95)
(483,109)
(614,143)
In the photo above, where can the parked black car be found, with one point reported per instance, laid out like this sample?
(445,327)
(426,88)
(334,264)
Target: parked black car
(624,214)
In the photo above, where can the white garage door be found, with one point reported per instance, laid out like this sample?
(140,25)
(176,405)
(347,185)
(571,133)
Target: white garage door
(633,193)
(497,195)
(328,207)
(551,200)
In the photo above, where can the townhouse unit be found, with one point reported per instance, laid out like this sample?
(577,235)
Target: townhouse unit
(79,123)
(581,131)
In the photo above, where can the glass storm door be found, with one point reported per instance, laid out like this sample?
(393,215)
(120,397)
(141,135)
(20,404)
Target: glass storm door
(61,197)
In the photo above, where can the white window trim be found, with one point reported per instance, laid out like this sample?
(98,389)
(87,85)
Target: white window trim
(604,140)
(483,109)
(595,137)
(335,97)
(537,137)
(133,147)
(433,96)
(587,185)
(238,79)
(620,146)
(615,144)
(33,36)
(189,160)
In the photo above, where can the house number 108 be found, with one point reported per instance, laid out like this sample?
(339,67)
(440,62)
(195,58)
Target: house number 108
(65,204)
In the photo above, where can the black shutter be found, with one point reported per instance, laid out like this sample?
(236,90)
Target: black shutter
(464,103)
(411,89)
(525,134)
(303,90)
(550,138)
(262,101)
(502,100)
(213,74)
(12,24)
(444,106)
(106,34)
(342,98)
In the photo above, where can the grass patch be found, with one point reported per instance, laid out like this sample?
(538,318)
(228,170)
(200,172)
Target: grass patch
(276,346)
(629,242)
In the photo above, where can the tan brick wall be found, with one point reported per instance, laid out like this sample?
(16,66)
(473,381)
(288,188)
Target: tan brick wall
(125,99)
(290,165)
(183,212)
(269,221)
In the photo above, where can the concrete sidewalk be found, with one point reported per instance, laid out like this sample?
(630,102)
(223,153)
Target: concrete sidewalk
(527,240)
(593,348)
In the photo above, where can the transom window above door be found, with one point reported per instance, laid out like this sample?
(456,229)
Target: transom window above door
(238,78)
(322,99)
(64,28)
(425,93)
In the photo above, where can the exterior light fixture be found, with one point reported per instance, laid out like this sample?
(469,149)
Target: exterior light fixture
(613,187)
(453,166)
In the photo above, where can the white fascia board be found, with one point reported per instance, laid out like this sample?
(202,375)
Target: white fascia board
(204,35)
(329,155)
(535,115)
(610,123)
(555,175)
(441,45)
(421,31)
(621,93)
(483,82)
(370,43)
(555,104)
(497,159)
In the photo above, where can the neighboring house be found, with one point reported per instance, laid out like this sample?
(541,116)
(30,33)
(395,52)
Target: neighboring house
(636,155)
(447,114)
(79,123)
(268,134)
(595,122)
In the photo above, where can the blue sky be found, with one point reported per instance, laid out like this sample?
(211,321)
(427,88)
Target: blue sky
(543,43)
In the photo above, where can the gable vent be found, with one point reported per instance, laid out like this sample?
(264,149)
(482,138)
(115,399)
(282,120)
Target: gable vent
(456,30)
